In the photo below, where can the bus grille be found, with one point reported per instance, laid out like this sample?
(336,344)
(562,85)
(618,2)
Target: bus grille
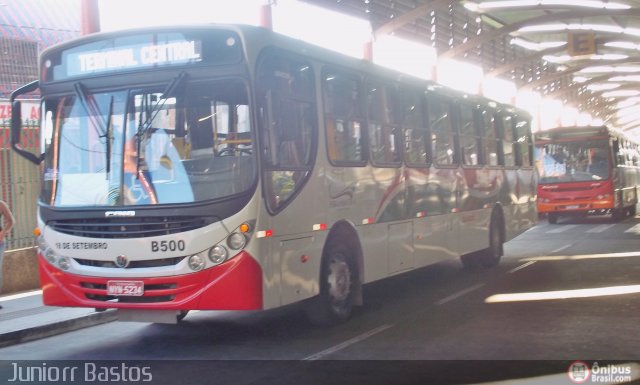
(129,227)
(133,264)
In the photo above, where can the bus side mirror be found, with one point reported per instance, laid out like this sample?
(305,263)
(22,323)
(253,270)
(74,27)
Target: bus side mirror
(16,123)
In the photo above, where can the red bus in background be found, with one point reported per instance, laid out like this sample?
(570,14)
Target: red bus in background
(586,171)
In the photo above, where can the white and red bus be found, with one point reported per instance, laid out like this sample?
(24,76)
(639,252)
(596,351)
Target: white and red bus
(229,167)
(586,171)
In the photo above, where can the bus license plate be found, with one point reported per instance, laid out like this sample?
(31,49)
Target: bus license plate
(573,207)
(125,288)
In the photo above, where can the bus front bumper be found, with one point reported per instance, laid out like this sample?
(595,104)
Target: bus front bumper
(577,207)
(234,285)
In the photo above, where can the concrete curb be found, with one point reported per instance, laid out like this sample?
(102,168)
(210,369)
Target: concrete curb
(55,328)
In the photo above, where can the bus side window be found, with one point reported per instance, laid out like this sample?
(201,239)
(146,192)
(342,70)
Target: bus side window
(442,135)
(385,139)
(506,130)
(489,141)
(286,99)
(523,143)
(416,133)
(343,118)
(469,139)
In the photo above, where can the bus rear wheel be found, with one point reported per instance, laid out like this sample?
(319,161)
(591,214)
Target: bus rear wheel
(490,257)
(337,288)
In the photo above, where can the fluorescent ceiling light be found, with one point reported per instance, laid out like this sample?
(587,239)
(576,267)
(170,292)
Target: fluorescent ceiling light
(603,86)
(632,110)
(620,93)
(581,79)
(623,44)
(580,27)
(625,78)
(533,46)
(488,5)
(610,69)
(565,58)
(628,102)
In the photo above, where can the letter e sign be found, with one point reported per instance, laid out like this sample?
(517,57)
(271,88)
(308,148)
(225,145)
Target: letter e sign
(581,43)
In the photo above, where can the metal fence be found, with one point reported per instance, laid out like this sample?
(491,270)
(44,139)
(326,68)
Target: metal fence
(20,183)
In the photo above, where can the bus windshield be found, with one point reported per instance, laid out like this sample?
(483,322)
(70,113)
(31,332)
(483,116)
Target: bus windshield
(573,161)
(142,147)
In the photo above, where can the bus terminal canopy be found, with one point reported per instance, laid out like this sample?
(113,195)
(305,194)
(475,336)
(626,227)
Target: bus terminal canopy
(582,53)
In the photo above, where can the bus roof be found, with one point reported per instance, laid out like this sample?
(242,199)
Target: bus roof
(258,38)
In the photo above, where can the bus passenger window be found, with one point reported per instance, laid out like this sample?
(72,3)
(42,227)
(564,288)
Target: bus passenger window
(286,101)
(507,140)
(442,137)
(523,142)
(384,132)
(469,138)
(343,118)
(489,141)
(416,134)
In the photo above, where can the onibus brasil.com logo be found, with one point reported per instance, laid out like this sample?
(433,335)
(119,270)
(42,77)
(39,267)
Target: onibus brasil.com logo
(580,372)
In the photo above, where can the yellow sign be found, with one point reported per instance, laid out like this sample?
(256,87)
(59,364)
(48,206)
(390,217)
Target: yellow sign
(581,43)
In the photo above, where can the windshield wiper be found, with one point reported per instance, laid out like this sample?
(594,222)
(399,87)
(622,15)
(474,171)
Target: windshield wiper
(145,125)
(93,112)
(108,136)
(90,106)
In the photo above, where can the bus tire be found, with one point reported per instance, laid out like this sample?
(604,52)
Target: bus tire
(618,214)
(490,257)
(552,218)
(334,303)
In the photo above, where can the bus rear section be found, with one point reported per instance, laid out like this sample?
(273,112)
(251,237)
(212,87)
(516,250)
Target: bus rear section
(581,172)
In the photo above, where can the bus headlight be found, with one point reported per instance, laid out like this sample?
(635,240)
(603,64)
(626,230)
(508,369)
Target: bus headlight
(50,256)
(64,263)
(196,262)
(218,254)
(236,241)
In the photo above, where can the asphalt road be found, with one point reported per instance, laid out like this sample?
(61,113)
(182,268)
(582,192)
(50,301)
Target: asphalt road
(562,293)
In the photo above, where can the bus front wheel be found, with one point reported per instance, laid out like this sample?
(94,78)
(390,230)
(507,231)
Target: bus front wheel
(337,288)
(552,218)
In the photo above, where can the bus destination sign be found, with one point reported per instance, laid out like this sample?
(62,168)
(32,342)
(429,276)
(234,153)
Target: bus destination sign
(137,56)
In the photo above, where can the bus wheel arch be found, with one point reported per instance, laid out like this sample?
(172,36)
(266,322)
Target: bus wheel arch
(340,277)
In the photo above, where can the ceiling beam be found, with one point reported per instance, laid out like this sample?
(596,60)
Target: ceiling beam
(513,64)
(509,28)
(562,92)
(409,17)
(557,75)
